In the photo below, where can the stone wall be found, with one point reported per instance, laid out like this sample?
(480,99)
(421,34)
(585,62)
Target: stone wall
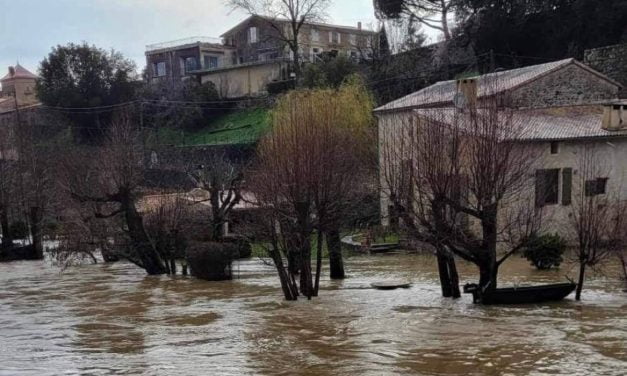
(570,85)
(611,61)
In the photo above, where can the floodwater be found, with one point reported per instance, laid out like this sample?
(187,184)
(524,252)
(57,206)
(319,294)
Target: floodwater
(114,320)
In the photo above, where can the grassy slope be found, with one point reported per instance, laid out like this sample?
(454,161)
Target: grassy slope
(242,126)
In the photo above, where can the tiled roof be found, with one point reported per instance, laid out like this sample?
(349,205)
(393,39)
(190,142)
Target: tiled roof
(20,72)
(488,84)
(557,123)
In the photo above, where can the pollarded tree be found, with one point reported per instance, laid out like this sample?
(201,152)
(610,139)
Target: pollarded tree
(286,18)
(108,179)
(461,181)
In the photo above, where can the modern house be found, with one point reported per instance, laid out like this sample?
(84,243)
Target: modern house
(176,59)
(253,53)
(564,108)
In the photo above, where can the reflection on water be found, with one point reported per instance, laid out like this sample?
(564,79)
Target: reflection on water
(111,319)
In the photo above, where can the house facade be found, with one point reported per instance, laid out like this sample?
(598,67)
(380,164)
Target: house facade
(253,53)
(176,60)
(565,109)
(259,38)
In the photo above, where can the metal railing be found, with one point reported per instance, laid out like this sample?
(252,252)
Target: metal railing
(182,42)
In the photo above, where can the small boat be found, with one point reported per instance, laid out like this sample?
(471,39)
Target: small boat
(520,295)
(383,247)
(390,285)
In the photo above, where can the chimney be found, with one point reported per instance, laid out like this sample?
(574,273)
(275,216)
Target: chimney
(359,25)
(614,116)
(11,71)
(467,87)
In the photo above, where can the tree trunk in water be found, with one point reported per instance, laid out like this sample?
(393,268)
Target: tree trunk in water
(445,279)
(7,239)
(173,266)
(454,278)
(488,267)
(150,259)
(336,262)
(287,283)
(318,263)
(35,230)
(582,273)
(449,279)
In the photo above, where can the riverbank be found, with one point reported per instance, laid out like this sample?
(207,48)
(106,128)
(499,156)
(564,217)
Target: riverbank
(112,319)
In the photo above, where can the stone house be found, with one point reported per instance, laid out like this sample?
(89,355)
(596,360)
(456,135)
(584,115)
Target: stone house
(564,108)
(257,39)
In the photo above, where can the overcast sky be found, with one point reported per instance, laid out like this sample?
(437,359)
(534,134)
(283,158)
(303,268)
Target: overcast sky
(29,28)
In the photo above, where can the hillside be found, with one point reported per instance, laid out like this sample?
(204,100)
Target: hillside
(244,126)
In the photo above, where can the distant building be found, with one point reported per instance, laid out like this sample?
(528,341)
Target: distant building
(18,85)
(18,92)
(252,54)
(257,39)
(564,108)
(176,59)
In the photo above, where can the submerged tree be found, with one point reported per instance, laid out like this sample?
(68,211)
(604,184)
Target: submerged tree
(108,179)
(460,181)
(308,169)
(596,216)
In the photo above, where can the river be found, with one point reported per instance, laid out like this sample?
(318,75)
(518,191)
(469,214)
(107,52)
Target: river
(114,320)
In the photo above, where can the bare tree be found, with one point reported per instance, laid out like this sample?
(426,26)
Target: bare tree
(223,179)
(460,181)
(109,178)
(286,18)
(597,216)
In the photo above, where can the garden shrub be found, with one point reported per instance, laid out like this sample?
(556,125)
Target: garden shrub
(545,251)
(211,261)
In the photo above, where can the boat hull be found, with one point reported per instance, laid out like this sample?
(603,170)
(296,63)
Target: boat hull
(521,295)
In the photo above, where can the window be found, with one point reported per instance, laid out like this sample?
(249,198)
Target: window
(159,69)
(595,187)
(547,186)
(335,37)
(352,38)
(567,186)
(252,35)
(555,147)
(315,35)
(210,62)
(188,64)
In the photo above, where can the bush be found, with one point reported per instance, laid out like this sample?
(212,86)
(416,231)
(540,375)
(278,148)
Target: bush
(19,230)
(278,87)
(211,261)
(545,251)
(242,248)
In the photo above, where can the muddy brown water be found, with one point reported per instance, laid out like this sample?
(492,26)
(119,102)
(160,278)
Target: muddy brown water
(114,320)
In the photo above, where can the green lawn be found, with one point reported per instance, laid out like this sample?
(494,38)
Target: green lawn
(243,126)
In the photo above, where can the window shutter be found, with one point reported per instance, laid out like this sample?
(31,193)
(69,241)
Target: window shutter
(539,188)
(330,37)
(567,186)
